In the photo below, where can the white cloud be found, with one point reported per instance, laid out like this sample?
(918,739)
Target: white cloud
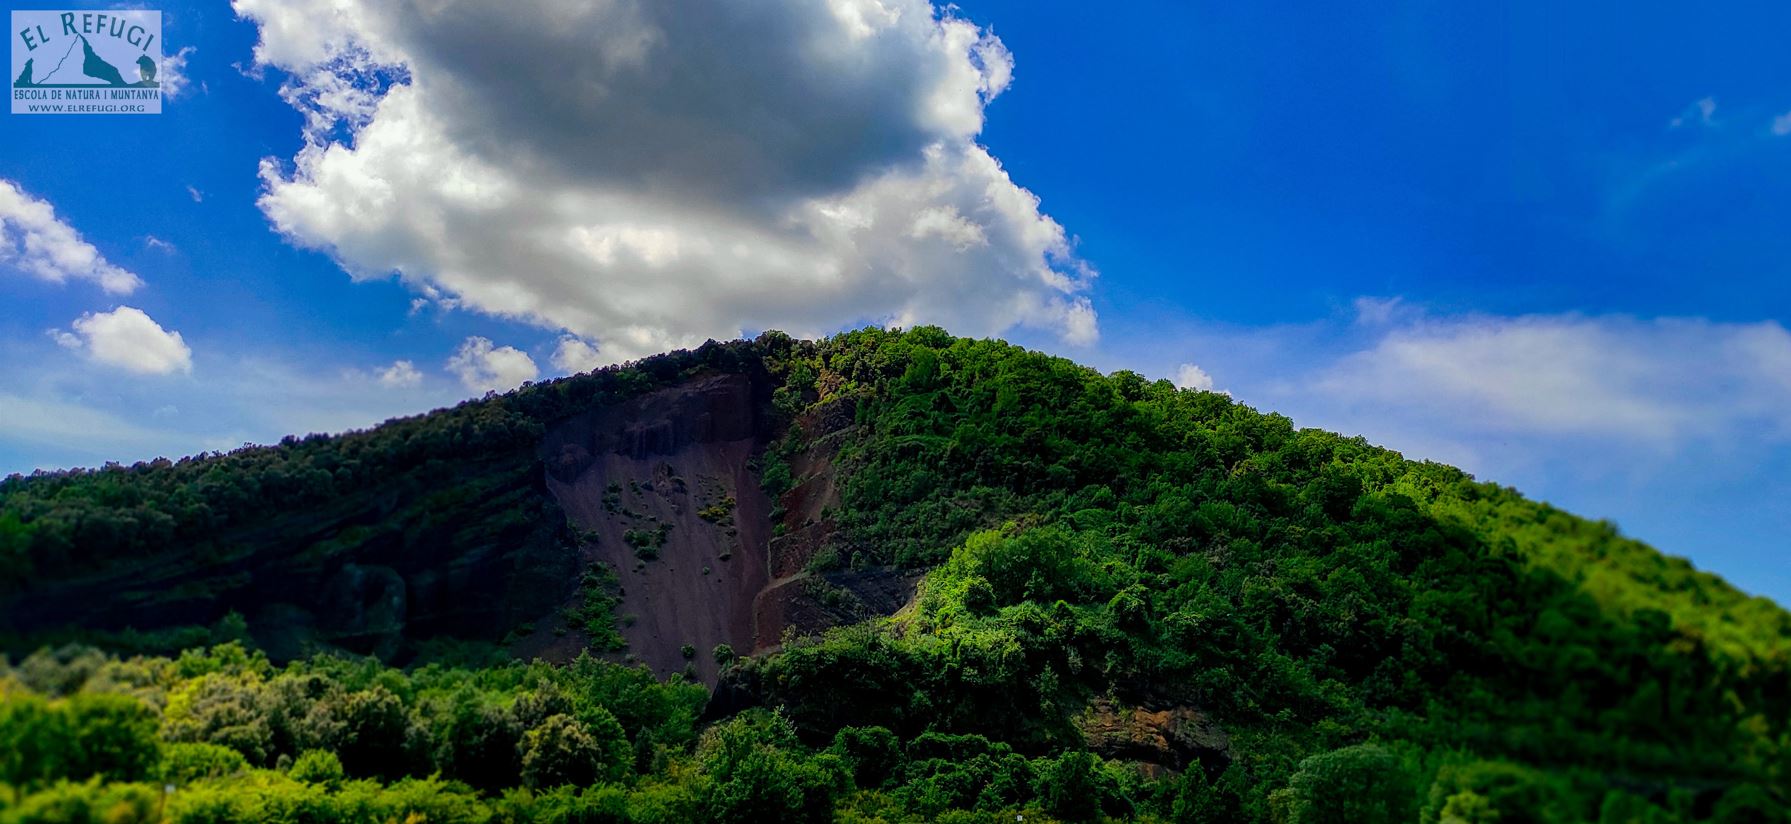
(804,165)
(945,223)
(400,375)
(128,339)
(1190,376)
(1781,125)
(173,72)
(575,355)
(56,416)
(71,429)
(195,194)
(1702,112)
(1660,383)
(485,368)
(159,244)
(34,241)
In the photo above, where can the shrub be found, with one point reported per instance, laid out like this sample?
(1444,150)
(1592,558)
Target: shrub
(1489,791)
(110,735)
(317,767)
(873,753)
(758,772)
(558,752)
(1354,784)
(193,761)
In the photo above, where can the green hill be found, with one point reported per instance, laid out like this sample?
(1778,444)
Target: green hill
(889,576)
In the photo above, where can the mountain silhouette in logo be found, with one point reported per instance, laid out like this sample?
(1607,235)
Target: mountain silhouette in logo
(146,70)
(96,67)
(24,78)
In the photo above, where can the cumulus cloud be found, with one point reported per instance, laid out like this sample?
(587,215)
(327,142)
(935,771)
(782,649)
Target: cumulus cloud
(1781,125)
(400,375)
(483,367)
(34,241)
(1190,376)
(128,339)
(574,355)
(644,176)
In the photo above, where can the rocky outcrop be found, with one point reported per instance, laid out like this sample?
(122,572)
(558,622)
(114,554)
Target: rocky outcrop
(800,600)
(1167,737)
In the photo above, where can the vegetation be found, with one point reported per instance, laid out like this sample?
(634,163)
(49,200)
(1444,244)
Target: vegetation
(1379,639)
(595,612)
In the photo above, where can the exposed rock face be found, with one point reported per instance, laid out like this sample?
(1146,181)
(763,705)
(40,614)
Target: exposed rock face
(1170,737)
(665,490)
(809,603)
(803,602)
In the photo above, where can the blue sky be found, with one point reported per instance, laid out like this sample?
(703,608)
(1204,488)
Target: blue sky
(1541,243)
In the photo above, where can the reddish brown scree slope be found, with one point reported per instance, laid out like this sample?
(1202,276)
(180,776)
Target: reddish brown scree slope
(663,485)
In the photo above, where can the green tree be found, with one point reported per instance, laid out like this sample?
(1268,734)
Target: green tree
(758,772)
(560,751)
(1068,787)
(375,734)
(1750,804)
(1365,782)
(873,753)
(33,739)
(1499,791)
(113,736)
(317,767)
(184,763)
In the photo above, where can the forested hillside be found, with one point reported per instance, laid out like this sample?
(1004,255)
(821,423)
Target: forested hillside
(988,583)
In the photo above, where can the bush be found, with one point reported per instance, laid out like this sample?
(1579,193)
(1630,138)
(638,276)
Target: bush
(873,753)
(1069,788)
(1354,784)
(1498,791)
(563,750)
(317,767)
(188,762)
(1750,804)
(758,772)
(90,802)
(110,735)
(33,740)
